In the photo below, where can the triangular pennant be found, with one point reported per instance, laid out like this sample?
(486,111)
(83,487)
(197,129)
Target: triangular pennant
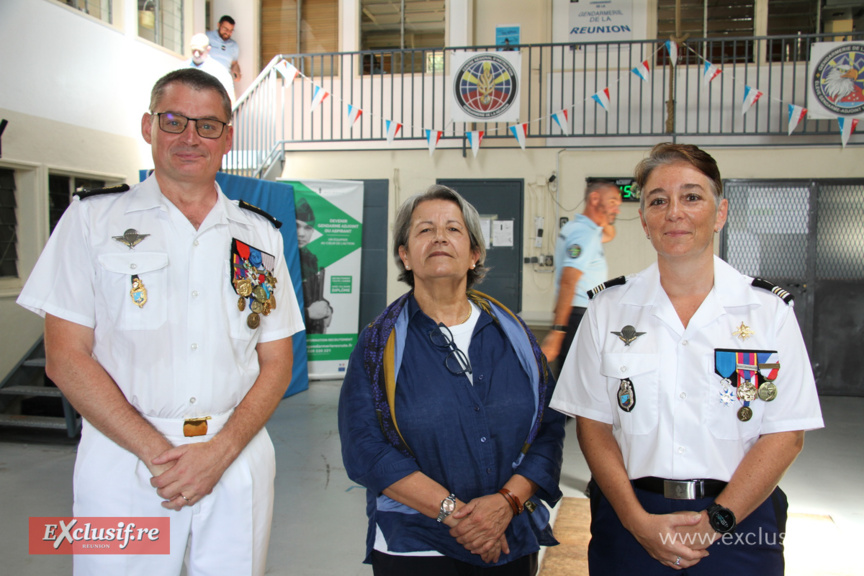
(519,132)
(602,98)
(796,114)
(432,139)
(642,70)
(560,119)
(318,97)
(847,127)
(287,70)
(672,48)
(392,129)
(353,113)
(474,138)
(751,95)
(711,72)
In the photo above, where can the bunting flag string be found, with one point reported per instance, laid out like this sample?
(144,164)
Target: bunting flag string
(474,138)
(432,138)
(560,119)
(847,127)
(520,131)
(353,114)
(751,95)
(318,96)
(710,72)
(642,70)
(602,98)
(796,114)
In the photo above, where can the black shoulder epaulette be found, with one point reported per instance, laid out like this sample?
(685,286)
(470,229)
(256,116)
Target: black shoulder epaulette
(619,281)
(99,191)
(777,290)
(246,206)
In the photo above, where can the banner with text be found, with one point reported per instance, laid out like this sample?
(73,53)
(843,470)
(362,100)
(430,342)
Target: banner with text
(601,20)
(329,233)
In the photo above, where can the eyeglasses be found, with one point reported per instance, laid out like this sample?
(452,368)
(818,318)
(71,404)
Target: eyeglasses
(176,124)
(456,362)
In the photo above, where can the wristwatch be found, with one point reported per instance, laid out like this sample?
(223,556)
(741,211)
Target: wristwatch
(721,519)
(559,328)
(448,505)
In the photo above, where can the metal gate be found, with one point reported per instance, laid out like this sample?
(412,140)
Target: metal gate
(808,237)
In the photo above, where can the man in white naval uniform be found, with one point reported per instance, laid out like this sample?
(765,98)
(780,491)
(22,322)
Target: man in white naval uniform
(146,296)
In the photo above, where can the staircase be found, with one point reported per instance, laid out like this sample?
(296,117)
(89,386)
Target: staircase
(29,399)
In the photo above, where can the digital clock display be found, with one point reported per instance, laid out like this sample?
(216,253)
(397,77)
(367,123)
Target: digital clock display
(624,183)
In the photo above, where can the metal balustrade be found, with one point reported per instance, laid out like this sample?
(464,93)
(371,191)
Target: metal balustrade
(412,87)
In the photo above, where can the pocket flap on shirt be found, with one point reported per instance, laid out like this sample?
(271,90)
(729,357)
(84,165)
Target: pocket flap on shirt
(134,263)
(627,365)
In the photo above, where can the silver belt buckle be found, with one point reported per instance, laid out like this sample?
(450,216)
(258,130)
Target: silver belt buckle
(683,489)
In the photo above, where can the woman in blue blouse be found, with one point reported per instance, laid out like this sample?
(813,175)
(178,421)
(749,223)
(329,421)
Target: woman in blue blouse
(443,414)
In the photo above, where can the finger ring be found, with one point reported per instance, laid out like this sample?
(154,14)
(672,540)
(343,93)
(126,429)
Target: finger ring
(187,500)
(678,561)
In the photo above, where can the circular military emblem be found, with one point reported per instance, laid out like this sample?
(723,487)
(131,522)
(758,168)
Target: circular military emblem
(574,251)
(767,391)
(241,304)
(747,392)
(745,414)
(485,86)
(838,80)
(253,321)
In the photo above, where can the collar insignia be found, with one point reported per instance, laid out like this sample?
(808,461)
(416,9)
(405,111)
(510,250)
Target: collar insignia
(628,334)
(131,238)
(743,332)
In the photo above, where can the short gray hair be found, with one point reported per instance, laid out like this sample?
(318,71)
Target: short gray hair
(402,229)
(669,153)
(597,185)
(194,79)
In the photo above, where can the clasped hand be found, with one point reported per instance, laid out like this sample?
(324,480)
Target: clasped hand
(678,540)
(185,474)
(481,526)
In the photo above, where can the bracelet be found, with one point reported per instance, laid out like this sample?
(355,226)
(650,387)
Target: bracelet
(512,500)
(559,328)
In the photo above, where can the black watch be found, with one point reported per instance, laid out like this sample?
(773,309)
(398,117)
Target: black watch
(722,519)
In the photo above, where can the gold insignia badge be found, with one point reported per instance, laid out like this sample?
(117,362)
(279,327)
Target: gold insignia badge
(138,292)
(743,332)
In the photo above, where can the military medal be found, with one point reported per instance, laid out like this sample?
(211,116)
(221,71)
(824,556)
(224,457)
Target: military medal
(747,392)
(628,334)
(745,413)
(767,391)
(727,394)
(253,321)
(138,292)
(131,238)
(253,280)
(626,395)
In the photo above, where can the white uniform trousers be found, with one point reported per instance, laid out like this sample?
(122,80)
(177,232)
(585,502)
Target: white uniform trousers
(225,533)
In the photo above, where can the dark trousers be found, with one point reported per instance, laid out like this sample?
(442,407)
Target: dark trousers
(576,314)
(387,565)
(755,547)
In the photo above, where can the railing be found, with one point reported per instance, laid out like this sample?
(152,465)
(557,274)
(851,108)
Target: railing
(412,88)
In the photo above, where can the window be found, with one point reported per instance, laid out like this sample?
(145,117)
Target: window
(790,18)
(301,27)
(714,19)
(60,189)
(409,24)
(161,22)
(100,9)
(8,225)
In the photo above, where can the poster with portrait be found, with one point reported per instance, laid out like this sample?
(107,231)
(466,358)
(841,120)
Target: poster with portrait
(485,86)
(329,227)
(835,88)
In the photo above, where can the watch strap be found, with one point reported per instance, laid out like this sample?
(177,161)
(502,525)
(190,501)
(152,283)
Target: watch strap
(448,505)
(559,328)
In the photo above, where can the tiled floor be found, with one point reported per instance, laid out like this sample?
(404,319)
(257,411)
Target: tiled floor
(319,523)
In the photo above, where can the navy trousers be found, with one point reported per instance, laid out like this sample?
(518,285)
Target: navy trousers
(755,547)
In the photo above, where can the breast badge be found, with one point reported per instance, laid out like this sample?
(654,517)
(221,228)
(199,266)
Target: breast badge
(253,281)
(628,334)
(138,292)
(131,238)
(626,395)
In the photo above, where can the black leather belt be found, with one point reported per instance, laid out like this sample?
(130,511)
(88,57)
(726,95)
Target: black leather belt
(681,489)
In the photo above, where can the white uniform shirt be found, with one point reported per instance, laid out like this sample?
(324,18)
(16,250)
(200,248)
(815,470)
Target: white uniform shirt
(679,428)
(188,351)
